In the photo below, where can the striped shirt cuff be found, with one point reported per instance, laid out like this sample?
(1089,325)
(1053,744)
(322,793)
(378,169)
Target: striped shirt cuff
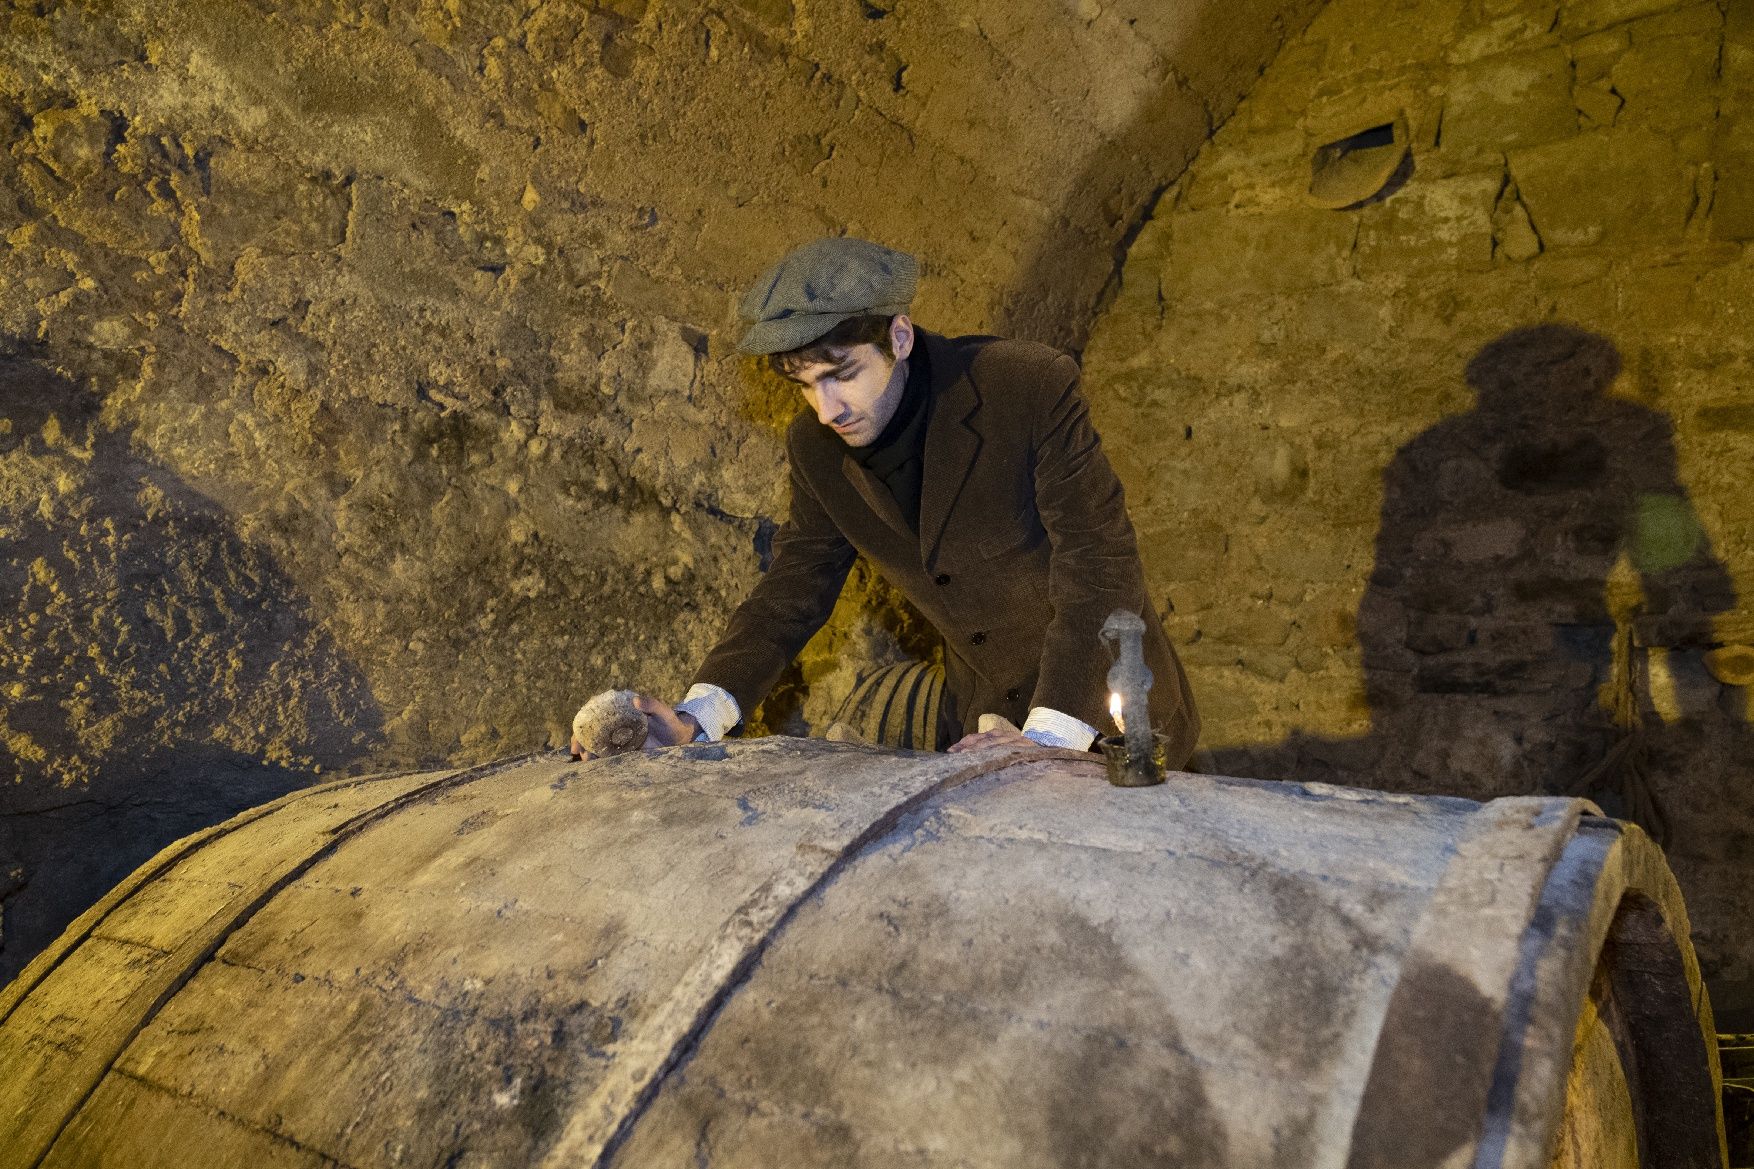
(713,708)
(1053,728)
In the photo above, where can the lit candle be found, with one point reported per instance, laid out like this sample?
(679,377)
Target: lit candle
(1114,711)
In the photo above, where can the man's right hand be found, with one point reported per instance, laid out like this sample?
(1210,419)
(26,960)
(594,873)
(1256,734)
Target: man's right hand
(665,727)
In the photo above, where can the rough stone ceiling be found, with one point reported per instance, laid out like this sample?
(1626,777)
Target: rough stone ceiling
(413,293)
(367,394)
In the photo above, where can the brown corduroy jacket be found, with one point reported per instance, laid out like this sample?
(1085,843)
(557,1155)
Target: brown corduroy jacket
(1024,548)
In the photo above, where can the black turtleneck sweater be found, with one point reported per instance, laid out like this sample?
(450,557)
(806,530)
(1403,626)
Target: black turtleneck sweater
(898,456)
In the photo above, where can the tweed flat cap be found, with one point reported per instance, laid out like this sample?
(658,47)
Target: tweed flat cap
(821,284)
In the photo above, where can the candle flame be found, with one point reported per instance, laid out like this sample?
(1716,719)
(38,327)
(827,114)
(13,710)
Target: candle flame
(1114,711)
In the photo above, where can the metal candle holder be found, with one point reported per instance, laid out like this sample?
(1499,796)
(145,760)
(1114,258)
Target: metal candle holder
(1137,757)
(1119,761)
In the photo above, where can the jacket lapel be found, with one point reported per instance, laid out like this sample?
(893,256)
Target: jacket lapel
(951,442)
(876,494)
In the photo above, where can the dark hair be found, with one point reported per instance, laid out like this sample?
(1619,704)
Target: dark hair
(868,329)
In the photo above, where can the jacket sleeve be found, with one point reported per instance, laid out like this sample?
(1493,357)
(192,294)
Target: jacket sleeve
(1093,566)
(790,603)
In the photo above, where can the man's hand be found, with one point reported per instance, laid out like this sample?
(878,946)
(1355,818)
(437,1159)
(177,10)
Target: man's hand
(665,727)
(1001,736)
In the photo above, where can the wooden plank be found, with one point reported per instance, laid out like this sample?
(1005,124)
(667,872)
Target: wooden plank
(1443,1030)
(1045,969)
(43,1043)
(172,855)
(600,1121)
(471,968)
(127,1123)
(32,1116)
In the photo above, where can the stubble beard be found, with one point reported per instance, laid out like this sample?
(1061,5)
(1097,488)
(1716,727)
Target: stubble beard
(860,437)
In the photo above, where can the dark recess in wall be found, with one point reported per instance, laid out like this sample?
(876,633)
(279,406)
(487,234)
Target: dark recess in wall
(162,670)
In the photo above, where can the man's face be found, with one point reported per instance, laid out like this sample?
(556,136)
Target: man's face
(857,393)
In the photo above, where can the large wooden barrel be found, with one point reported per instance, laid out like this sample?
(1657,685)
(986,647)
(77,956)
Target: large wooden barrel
(792,953)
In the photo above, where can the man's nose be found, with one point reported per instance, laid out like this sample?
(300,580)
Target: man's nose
(829,406)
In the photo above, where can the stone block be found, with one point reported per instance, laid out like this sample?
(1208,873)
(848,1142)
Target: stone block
(1189,598)
(1347,317)
(1593,56)
(1598,104)
(1275,665)
(1483,540)
(1523,27)
(1225,704)
(738,239)
(1732,206)
(1372,36)
(1705,19)
(1504,102)
(1279,98)
(1241,623)
(1670,83)
(1218,255)
(1569,270)
(1446,223)
(1433,633)
(1152,241)
(1272,169)
(1198,652)
(1737,417)
(773,13)
(1335,626)
(1668,303)
(1583,16)
(1178,543)
(1726,296)
(1513,234)
(116,212)
(1621,186)
(1201,339)
(1739,23)
(1321,556)
(1738,60)
(1281,471)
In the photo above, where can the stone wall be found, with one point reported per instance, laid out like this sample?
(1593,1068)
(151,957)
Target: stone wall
(1448,491)
(366,386)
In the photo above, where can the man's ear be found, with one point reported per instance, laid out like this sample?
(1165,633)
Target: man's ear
(901,336)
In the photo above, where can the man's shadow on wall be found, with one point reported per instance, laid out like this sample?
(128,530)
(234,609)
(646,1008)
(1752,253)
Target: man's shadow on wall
(158,674)
(1503,652)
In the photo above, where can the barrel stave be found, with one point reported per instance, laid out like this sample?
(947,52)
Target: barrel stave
(1012,950)
(128,1124)
(80,1002)
(1599,1126)
(803,953)
(465,972)
(367,1074)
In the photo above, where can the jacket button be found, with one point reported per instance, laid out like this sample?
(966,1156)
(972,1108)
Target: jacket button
(977,639)
(942,578)
(1013,695)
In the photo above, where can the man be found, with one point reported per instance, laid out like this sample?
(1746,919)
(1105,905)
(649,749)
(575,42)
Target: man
(967,471)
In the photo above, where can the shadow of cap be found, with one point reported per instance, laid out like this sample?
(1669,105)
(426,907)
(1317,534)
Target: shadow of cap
(1545,359)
